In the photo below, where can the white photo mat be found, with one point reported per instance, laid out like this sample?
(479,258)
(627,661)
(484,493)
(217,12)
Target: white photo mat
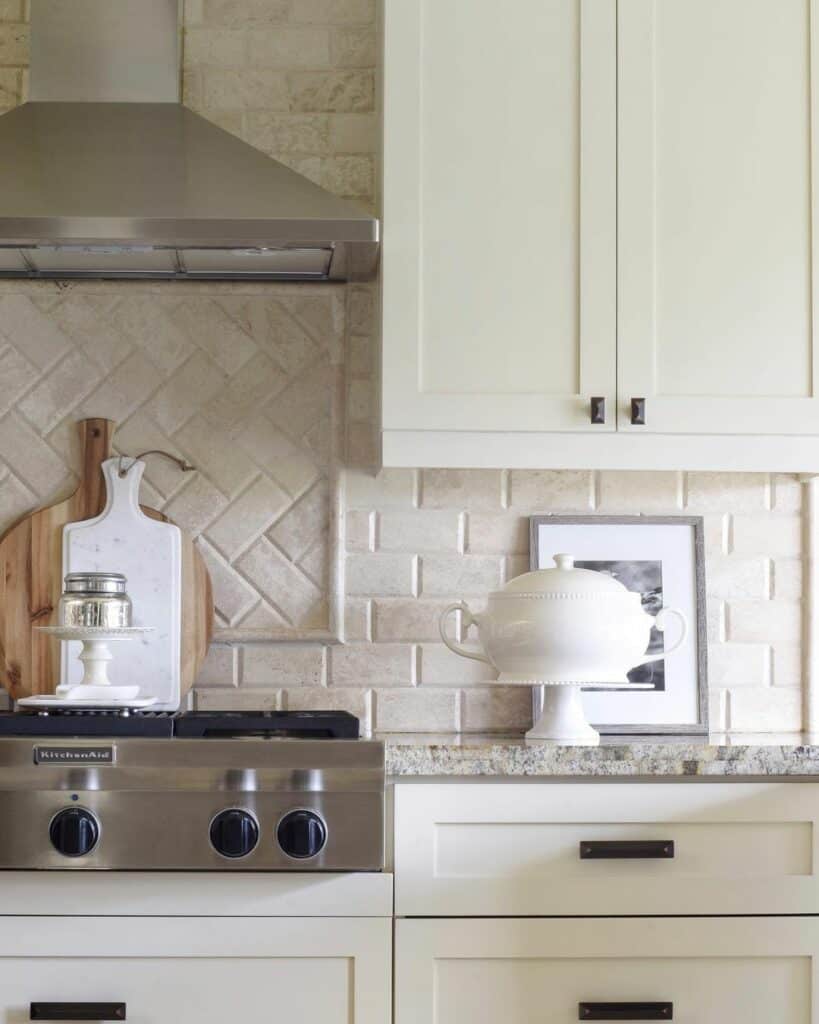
(676,543)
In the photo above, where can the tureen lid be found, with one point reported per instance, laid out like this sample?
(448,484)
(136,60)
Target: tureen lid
(565,579)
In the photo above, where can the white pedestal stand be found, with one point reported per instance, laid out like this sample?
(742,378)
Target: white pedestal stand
(562,719)
(95,688)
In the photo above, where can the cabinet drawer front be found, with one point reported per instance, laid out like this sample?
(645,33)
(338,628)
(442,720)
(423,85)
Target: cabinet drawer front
(710,971)
(606,848)
(197,970)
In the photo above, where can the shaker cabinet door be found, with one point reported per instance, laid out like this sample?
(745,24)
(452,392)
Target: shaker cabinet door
(690,970)
(718,112)
(499,212)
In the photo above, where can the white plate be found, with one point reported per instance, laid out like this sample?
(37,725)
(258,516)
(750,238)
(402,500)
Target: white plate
(51,700)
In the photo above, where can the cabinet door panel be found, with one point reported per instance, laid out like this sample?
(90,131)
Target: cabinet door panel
(713,971)
(200,970)
(716,201)
(499,210)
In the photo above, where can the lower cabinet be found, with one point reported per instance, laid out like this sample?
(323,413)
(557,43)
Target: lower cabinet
(197,970)
(753,970)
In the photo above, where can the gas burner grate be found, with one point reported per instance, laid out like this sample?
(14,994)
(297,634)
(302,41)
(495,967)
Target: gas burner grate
(83,722)
(339,725)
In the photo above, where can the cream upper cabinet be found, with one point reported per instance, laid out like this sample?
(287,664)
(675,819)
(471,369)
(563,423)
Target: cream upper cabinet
(717,114)
(499,214)
(600,198)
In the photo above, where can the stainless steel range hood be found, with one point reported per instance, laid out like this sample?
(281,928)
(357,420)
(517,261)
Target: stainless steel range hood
(115,180)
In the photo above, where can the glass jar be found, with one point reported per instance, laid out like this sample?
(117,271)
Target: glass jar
(95,599)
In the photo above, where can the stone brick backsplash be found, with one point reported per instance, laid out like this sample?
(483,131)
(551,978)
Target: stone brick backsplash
(271,390)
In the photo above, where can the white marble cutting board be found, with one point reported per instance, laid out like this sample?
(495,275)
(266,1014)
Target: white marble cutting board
(149,554)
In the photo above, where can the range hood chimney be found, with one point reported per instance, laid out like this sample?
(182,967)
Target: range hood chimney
(105,174)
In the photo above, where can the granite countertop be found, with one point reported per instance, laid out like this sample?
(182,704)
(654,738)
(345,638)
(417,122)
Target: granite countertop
(759,755)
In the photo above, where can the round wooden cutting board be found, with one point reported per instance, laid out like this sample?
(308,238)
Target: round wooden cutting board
(31,580)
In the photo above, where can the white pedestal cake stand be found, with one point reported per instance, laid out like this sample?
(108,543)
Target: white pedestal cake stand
(563,720)
(95,688)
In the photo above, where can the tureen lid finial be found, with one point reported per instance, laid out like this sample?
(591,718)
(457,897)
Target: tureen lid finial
(564,561)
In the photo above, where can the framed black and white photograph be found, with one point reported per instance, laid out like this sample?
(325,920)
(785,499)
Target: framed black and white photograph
(660,558)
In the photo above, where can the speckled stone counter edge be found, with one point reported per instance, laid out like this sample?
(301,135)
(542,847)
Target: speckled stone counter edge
(515,758)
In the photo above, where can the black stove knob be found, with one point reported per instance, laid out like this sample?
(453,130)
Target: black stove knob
(234,833)
(74,832)
(301,834)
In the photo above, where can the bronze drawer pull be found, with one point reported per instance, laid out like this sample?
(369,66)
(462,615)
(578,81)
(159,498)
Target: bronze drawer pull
(627,849)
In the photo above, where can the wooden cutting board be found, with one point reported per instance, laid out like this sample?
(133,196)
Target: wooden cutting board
(31,580)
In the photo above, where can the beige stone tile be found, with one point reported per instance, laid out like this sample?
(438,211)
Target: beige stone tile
(639,492)
(765,709)
(245,89)
(413,710)
(354,47)
(196,506)
(219,669)
(358,620)
(788,669)
(343,92)
(291,465)
(551,490)
(370,665)
(191,386)
(14,45)
(389,488)
(360,531)
(716,535)
(411,619)
(303,522)
(11,10)
(353,133)
(727,492)
(461,488)
(232,595)
(288,133)
(514,565)
(122,391)
(16,500)
(774,622)
(786,493)
(245,12)
(284,585)
(289,47)
(242,699)
(459,575)
(766,534)
(418,530)
(214,46)
(361,399)
(363,449)
(739,665)
(208,326)
(17,375)
(45,342)
(10,85)
(380,575)
(496,709)
(352,699)
(716,614)
(441,667)
(57,394)
(717,711)
(247,517)
(282,665)
(334,11)
(34,462)
(729,576)
(497,534)
(216,455)
(247,392)
(787,579)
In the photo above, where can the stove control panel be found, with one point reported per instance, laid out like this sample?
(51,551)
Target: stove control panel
(302,834)
(74,832)
(234,833)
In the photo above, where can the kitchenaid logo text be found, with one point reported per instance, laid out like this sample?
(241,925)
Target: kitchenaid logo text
(73,755)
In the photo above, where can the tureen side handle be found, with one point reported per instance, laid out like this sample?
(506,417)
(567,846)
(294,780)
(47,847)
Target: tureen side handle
(658,622)
(468,620)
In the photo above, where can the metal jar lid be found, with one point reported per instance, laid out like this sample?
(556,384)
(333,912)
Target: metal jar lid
(95,583)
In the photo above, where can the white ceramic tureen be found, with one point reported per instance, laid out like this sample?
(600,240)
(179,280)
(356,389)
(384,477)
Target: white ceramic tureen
(563,626)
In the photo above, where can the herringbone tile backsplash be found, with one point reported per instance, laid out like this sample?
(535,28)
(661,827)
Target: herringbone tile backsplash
(270,390)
